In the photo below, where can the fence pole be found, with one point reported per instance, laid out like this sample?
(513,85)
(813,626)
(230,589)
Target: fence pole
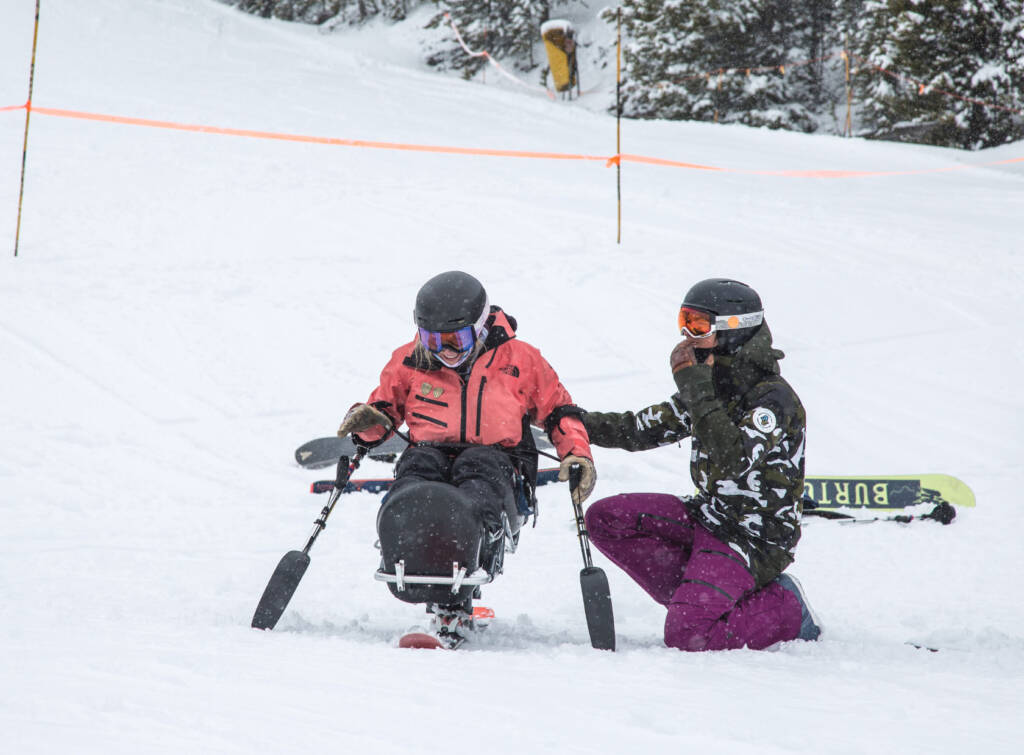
(28,113)
(848,128)
(618,118)
(718,93)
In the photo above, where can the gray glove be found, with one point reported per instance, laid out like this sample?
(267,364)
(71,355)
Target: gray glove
(587,479)
(362,417)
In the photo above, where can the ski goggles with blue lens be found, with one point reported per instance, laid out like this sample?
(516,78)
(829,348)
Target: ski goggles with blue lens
(461,340)
(700,324)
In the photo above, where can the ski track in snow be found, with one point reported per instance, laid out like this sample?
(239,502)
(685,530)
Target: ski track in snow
(188,308)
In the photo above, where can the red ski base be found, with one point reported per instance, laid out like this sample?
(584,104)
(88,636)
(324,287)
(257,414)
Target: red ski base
(420,641)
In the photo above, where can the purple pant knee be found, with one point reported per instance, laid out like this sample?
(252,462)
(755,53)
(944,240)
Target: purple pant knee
(648,535)
(706,586)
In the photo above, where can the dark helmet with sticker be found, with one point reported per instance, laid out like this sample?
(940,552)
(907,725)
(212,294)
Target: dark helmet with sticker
(736,307)
(451,316)
(450,301)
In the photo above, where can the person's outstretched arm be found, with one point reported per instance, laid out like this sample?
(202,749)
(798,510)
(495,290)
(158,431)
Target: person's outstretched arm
(653,426)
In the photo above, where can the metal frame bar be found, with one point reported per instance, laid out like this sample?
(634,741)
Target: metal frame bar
(458,579)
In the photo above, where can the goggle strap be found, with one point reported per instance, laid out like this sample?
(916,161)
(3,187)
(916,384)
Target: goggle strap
(733,322)
(478,327)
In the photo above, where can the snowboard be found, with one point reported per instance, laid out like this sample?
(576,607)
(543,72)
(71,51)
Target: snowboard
(886,491)
(325,452)
(382,484)
(875,492)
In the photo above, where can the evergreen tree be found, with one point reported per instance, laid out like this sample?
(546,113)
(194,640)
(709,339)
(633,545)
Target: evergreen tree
(813,45)
(711,60)
(944,72)
(1015,59)
(842,41)
(953,73)
(507,29)
(320,11)
(845,19)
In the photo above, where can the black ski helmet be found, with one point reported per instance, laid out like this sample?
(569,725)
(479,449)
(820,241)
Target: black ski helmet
(724,297)
(450,301)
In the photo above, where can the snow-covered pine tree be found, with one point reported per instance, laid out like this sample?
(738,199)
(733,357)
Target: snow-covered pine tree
(813,43)
(845,18)
(821,31)
(842,36)
(320,11)
(950,52)
(507,29)
(710,60)
(1015,57)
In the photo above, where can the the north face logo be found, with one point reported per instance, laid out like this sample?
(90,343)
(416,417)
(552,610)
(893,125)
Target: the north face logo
(510,369)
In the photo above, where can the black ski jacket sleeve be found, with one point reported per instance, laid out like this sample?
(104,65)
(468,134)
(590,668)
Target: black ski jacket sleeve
(656,425)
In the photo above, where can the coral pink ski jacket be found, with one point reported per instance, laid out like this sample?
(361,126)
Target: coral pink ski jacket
(508,382)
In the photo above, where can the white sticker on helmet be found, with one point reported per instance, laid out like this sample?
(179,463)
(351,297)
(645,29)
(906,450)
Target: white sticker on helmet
(731,322)
(764,419)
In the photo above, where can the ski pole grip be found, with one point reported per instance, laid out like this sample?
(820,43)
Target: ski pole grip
(341,476)
(575,475)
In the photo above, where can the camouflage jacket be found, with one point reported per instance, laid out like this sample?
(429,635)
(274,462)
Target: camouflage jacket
(747,451)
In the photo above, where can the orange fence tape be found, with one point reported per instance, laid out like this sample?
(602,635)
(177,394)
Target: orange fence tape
(14,107)
(642,159)
(818,173)
(747,70)
(926,88)
(483,152)
(333,141)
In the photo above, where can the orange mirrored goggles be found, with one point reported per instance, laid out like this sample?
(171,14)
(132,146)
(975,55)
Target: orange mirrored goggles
(697,323)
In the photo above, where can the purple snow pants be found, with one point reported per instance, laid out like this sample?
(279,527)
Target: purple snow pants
(709,593)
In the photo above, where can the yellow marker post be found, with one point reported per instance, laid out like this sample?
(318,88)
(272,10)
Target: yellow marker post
(618,118)
(560,44)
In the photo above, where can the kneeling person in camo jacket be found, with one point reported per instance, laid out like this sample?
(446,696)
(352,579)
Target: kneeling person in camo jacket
(715,559)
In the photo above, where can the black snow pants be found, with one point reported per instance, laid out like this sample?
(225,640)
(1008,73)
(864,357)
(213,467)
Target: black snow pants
(483,473)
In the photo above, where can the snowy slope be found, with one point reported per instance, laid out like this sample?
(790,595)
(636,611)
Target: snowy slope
(187,308)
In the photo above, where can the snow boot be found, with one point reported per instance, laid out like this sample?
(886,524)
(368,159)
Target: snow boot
(448,628)
(810,627)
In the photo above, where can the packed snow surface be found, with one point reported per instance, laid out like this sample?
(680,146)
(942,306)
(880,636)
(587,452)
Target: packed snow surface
(187,308)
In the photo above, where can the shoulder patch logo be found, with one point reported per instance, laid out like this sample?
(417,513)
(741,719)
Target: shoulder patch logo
(510,369)
(426,387)
(764,419)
